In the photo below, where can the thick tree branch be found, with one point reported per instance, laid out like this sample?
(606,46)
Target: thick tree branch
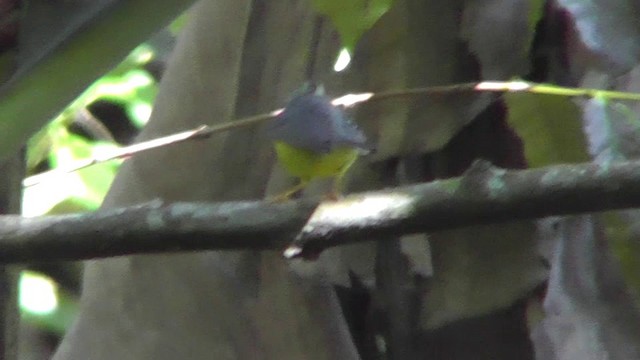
(485,194)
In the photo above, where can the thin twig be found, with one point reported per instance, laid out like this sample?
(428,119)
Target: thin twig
(200,132)
(347,101)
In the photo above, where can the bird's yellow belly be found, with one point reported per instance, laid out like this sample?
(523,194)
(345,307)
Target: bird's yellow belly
(307,164)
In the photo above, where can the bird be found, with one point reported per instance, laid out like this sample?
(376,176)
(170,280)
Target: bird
(314,139)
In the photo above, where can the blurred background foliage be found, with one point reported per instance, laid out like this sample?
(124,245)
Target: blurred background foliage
(92,124)
(106,116)
(111,111)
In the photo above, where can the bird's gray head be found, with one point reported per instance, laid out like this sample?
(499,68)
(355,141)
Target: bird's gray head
(309,121)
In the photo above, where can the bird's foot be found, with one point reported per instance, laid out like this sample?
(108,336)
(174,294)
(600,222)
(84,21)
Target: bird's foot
(286,195)
(333,195)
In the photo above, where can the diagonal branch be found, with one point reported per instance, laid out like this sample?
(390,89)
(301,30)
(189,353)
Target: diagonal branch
(348,100)
(484,194)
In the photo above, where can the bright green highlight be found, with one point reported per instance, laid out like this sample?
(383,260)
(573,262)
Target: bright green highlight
(550,89)
(128,85)
(44,304)
(78,191)
(37,293)
(517,86)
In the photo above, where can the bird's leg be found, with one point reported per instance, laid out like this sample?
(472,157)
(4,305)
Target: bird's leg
(286,195)
(336,190)
(338,183)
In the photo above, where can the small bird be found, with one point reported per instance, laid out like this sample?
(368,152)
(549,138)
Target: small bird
(315,139)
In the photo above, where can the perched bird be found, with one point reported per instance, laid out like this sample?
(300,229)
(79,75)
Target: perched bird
(315,139)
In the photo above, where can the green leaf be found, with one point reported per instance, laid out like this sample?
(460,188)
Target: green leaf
(352,18)
(550,127)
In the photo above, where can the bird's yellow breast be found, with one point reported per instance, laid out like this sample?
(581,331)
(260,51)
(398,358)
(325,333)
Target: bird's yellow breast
(308,165)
